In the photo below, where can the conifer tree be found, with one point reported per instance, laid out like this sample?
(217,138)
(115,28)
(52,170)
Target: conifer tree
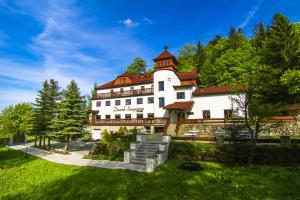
(42,114)
(71,117)
(260,35)
(138,66)
(200,55)
(282,44)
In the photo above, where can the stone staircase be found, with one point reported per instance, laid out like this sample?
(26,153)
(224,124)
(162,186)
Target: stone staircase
(146,150)
(149,151)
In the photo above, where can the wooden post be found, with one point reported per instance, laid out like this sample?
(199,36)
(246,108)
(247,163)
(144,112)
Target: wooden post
(49,143)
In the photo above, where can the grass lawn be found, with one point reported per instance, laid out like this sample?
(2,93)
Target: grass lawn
(33,178)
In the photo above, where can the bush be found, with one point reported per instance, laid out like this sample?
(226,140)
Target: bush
(235,154)
(105,136)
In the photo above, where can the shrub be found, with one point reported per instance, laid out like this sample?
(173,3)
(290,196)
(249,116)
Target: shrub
(105,136)
(235,154)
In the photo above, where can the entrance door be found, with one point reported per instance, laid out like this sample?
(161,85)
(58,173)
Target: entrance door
(180,115)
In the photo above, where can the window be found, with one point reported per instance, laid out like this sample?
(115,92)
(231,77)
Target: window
(139,101)
(98,116)
(128,101)
(111,91)
(180,95)
(206,114)
(152,86)
(150,115)
(139,116)
(142,87)
(117,102)
(107,103)
(150,100)
(190,113)
(128,116)
(123,80)
(98,103)
(131,88)
(227,113)
(161,86)
(161,101)
(121,90)
(117,116)
(107,116)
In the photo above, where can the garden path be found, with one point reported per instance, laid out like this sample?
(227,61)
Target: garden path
(77,159)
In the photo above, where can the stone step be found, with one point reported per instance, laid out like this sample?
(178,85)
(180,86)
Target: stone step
(147,150)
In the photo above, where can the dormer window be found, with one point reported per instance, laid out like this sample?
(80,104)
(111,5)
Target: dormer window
(122,81)
(142,77)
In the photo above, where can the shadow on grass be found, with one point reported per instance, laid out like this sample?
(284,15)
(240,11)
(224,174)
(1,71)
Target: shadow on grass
(214,182)
(11,158)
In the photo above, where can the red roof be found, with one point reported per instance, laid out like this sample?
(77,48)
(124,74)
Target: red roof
(137,79)
(181,105)
(164,55)
(211,90)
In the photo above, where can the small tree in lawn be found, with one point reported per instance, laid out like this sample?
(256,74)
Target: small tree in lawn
(71,117)
(255,112)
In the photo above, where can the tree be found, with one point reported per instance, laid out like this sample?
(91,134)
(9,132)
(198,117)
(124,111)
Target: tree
(16,120)
(45,109)
(71,117)
(260,35)
(138,66)
(281,48)
(291,79)
(200,54)
(92,95)
(235,38)
(42,112)
(187,58)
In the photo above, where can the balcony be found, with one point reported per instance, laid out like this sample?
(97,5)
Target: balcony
(146,91)
(132,122)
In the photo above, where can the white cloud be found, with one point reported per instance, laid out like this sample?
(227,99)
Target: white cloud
(70,47)
(129,23)
(251,14)
(149,21)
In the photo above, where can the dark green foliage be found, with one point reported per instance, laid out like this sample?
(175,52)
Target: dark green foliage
(237,153)
(71,117)
(260,35)
(138,66)
(281,48)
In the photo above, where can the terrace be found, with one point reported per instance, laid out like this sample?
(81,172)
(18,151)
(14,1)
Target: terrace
(139,92)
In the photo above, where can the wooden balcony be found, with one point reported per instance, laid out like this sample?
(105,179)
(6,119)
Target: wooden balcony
(129,122)
(146,91)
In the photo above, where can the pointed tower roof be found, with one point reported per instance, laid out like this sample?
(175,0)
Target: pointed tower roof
(164,55)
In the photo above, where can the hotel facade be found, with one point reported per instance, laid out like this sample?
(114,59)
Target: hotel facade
(158,102)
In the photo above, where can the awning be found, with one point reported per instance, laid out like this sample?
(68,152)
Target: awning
(181,105)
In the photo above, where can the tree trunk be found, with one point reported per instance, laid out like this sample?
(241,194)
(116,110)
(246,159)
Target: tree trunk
(35,141)
(49,143)
(40,142)
(44,142)
(66,149)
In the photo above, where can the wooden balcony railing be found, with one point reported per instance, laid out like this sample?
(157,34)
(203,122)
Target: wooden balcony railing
(132,122)
(146,91)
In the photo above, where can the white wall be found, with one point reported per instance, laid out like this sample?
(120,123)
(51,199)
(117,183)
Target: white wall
(170,79)
(111,110)
(216,103)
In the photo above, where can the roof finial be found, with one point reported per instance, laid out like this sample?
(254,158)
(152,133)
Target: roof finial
(166,47)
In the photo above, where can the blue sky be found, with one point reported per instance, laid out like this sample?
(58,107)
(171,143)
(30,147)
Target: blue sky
(93,40)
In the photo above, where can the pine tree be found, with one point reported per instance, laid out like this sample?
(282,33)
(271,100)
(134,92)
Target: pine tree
(71,117)
(260,35)
(90,97)
(282,44)
(200,55)
(42,113)
(235,38)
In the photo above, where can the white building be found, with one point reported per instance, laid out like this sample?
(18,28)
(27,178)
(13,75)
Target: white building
(157,101)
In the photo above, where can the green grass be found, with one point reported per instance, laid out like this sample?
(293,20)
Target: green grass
(33,178)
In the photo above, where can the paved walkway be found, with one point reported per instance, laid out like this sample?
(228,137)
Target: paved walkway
(77,159)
